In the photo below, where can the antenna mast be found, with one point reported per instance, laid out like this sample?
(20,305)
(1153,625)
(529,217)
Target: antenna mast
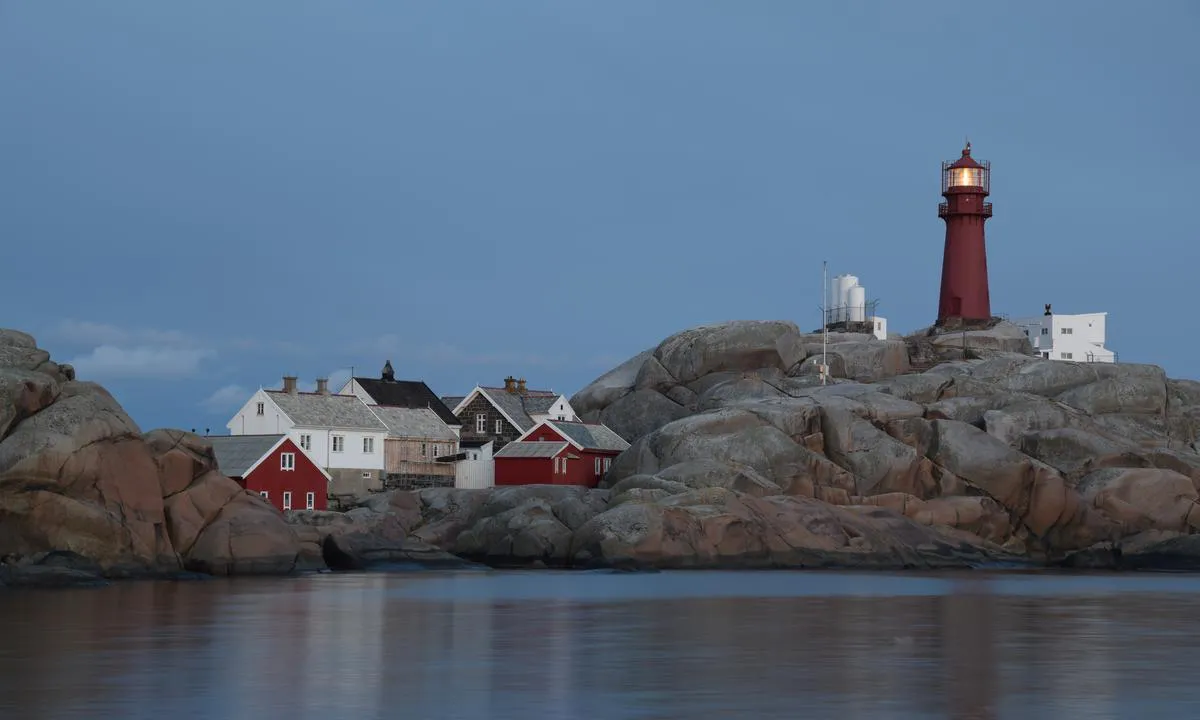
(824,318)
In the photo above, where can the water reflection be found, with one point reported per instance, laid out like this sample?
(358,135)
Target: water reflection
(565,646)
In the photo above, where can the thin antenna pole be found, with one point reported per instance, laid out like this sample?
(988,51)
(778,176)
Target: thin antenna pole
(824,318)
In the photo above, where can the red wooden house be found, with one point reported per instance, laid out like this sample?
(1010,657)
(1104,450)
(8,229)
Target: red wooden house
(274,467)
(555,452)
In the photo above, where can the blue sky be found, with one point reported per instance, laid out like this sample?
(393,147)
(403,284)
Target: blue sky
(199,197)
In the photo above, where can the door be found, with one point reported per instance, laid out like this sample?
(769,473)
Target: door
(287,500)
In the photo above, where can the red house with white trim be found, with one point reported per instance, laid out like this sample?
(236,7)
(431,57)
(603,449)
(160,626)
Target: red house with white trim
(274,467)
(557,452)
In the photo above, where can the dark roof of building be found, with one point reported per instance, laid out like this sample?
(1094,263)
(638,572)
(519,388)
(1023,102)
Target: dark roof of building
(592,437)
(237,453)
(474,442)
(452,401)
(406,394)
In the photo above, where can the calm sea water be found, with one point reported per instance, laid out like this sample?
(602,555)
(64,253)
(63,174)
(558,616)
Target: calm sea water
(600,645)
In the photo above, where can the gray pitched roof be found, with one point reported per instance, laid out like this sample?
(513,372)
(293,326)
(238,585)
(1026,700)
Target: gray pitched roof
(452,401)
(531,449)
(237,453)
(414,423)
(518,407)
(332,411)
(592,437)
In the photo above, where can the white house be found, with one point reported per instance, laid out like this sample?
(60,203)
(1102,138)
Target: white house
(476,469)
(339,432)
(1068,337)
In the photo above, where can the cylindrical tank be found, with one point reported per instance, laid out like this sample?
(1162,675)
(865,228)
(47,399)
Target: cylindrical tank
(857,304)
(844,283)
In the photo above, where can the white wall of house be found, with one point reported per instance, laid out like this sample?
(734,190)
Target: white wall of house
(560,410)
(1078,338)
(259,416)
(319,443)
(478,471)
(879,326)
(353,388)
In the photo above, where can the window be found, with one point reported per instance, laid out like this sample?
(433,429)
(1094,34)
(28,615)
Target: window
(339,443)
(562,417)
(556,466)
(1026,332)
(1046,355)
(1045,331)
(287,461)
(262,409)
(597,466)
(266,495)
(368,445)
(1066,331)
(564,466)
(310,500)
(366,476)
(499,427)
(287,499)
(1066,355)
(306,442)
(607,464)
(481,423)
(436,451)
(424,450)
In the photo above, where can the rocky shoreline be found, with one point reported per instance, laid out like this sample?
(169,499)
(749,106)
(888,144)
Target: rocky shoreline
(740,458)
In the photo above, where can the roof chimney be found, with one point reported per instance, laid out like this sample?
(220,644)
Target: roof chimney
(388,373)
(289,384)
(510,384)
(521,386)
(323,386)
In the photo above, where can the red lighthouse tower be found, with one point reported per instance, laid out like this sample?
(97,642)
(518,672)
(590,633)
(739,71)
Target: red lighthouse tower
(965,184)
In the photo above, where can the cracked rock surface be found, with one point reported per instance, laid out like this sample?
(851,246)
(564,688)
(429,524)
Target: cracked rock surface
(84,493)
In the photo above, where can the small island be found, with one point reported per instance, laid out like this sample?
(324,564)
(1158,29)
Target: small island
(743,455)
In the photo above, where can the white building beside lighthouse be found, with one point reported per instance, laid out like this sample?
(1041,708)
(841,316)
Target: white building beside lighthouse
(847,305)
(1078,338)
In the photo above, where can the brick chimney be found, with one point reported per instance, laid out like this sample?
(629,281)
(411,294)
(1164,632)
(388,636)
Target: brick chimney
(289,384)
(323,386)
(521,386)
(510,384)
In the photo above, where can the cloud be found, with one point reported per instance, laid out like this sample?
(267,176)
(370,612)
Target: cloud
(93,334)
(337,379)
(446,354)
(110,361)
(226,399)
(109,351)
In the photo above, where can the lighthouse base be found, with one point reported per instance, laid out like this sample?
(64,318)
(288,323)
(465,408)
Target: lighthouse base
(958,324)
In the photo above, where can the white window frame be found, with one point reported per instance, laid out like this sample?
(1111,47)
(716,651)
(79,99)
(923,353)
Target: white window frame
(310,500)
(1067,356)
(556,466)
(287,462)
(366,475)
(499,426)
(435,452)
(598,464)
(607,464)
(1045,331)
(287,499)
(338,443)
(480,423)
(306,442)
(564,466)
(265,495)
(1066,331)
(368,446)
(261,409)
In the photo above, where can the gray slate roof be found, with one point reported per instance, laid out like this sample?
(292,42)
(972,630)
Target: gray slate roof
(518,407)
(332,411)
(531,449)
(592,437)
(452,401)
(237,453)
(420,423)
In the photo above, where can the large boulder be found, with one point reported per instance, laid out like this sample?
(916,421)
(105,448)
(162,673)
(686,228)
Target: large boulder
(78,479)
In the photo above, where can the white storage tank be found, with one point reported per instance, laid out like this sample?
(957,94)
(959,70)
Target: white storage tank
(857,303)
(843,283)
